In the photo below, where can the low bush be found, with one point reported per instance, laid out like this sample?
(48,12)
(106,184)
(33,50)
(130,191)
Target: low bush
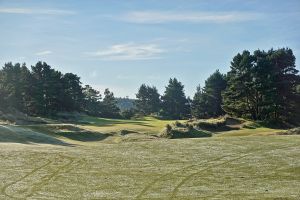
(189,131)
(293,131)
(128,114)
(179,124)
(212,124)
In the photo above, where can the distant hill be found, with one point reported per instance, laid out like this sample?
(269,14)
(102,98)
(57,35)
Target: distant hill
(125,103)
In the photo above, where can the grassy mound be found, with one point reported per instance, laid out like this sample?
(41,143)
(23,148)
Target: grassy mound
(16,117)
(179,130)
(294,131)
(217,124)
(16,134)
(69,131)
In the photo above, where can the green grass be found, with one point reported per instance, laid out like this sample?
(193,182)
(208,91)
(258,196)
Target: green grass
(146,125)
(250,132)
(92,160)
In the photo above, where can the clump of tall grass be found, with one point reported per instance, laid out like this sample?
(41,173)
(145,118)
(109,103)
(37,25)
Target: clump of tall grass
(181,130)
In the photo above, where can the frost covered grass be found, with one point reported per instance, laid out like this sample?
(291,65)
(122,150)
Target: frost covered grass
(98,158)
(256,167)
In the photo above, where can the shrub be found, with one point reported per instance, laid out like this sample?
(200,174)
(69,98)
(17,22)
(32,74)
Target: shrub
(190,127)
(128,114)
(294,131)
(179,124)
(168,128)
(124,132)
(167,132)
(211,124)
(183,132)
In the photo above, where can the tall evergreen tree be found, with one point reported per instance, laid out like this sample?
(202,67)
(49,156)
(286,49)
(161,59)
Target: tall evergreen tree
(285,79)
(47,89)
(238,96)
(262,86)
(148,100)
(15,85)
(92,103)
(198,103)
(207,101)
(73,97)
(109,105)
(174,101)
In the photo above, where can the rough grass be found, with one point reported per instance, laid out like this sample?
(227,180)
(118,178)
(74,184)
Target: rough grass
(265,167)
(98,158)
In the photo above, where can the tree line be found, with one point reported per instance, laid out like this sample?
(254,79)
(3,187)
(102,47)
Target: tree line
(43,91)
(264,85)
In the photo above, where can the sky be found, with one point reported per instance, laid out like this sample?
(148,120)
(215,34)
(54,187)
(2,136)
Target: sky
(120,44)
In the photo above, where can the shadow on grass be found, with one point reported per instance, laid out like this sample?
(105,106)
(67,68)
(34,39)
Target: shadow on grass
(48,134)
(221,129)
(178,133)
(70,131)
(83,136)
(190,134)
(14,134)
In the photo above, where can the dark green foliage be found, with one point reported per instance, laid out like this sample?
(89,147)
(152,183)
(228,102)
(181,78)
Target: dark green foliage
(174,103)
(179,124)
(262,86)
(73,94)
(198,105)
(47,92)
(189,131)
(14,86)
(125,103)
(148,100)
(92,104)
(207,101)
(168,127)
(128,114)
(109,105)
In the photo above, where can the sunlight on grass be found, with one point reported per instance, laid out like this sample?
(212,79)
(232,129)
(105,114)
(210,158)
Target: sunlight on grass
(249,132)
(265,167)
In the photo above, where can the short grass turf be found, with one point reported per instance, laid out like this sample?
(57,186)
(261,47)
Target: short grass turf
(253,167)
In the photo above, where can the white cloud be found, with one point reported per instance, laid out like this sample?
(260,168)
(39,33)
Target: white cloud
(43,53)
(156,17)
(35,11)
(129,51)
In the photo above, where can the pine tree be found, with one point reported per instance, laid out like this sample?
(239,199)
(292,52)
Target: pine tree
(47,89)
(198,104)
(109,105)
(262,86)
(14,86)
(92,104)
(148,100)
(285,80)
(207,101)
(174,101)
(238,96)
(73,96)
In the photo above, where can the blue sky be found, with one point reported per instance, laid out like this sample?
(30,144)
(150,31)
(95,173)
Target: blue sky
(121,44)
